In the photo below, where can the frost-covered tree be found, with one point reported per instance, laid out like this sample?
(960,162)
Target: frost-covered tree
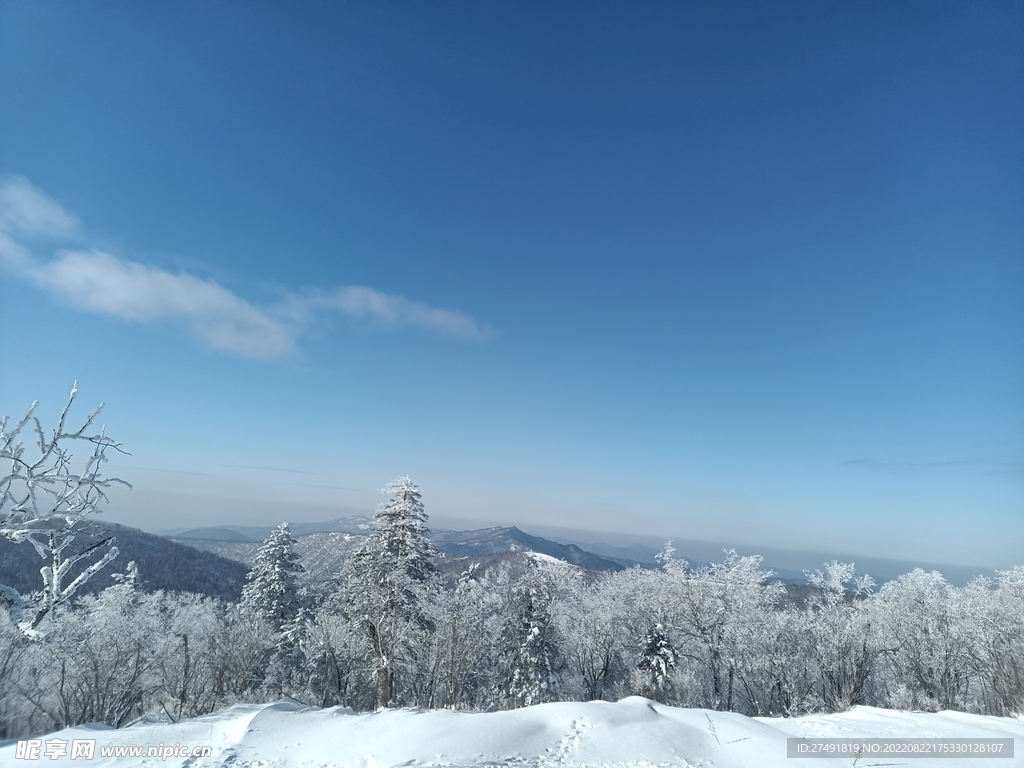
(44,498)
(334,646)
(466,621)
(592,631)
(658,658)
(928,632)
(99,663)
(271,595)
(843,637)
(773,667)
(997,640)
(534,660)
(389,573)
(244,644)
(187,648)
(710,611)
(14,647)
(667,556)
(271,589)
(288,669)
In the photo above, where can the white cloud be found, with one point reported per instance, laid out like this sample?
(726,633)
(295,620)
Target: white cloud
(27,212)
(96,281)
(14,257)
(389,310)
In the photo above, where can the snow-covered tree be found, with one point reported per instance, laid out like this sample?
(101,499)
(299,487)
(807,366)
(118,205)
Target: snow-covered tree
(466,621)
(271,589)
(243,647)
(658,658)
(186,651)
(534,669)
(667,556)
(843,638)
(388,575)
(334,647)
(928,635)
(773,667)
(592,633)
(997,640)
(710,610)
(44,498)
(101,657)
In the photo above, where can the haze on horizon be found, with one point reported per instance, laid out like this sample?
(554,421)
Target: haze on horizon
(741,273)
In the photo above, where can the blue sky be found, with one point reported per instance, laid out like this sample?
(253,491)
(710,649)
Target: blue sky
(742,272)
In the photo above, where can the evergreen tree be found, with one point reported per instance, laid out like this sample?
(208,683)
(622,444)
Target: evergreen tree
(667,556)
(271,590)
(388,575)
(288,668)
(658,658)
(533,675)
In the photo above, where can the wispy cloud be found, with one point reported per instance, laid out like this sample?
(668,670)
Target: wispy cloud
(389,310)
(96,281)
(26,212)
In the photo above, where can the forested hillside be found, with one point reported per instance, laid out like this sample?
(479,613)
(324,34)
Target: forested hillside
(397,625)
(162,563)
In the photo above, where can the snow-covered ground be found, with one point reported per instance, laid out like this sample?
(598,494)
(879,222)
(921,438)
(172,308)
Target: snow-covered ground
(632,732)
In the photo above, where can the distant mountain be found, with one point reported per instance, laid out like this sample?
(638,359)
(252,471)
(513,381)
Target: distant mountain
(162,563)
(215,534)
(214,561)
(322,554)
(355,525)
(635,554)
(494,540)
(324,547)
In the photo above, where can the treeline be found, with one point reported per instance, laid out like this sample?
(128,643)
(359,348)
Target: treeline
(396,631)
(720,637)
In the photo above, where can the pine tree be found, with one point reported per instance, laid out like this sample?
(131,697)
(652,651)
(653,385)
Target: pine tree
(534,677)
(288,668)
(388,574)
(658,658)
(271,590)
(667,556)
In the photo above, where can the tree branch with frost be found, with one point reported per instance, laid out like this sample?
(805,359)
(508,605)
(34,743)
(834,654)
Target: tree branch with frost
(43,500)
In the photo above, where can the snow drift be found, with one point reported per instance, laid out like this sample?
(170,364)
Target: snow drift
(632,732)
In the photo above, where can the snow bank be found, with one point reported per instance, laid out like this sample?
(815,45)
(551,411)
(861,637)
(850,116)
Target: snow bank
(632,732)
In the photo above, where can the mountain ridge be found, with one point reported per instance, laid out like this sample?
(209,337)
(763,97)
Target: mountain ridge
(240,543)
(163,564)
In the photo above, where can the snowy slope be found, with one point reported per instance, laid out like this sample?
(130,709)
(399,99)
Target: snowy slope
(632,732)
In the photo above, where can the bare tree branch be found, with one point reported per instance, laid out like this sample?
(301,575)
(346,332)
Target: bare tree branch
(43,500)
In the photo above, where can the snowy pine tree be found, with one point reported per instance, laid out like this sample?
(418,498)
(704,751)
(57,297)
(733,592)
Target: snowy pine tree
(271,590)
(658,658)
(534,670)
(667,556)
(388,574)
(289,669)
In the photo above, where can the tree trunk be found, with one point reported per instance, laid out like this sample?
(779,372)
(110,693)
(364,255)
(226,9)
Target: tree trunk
(385,686)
